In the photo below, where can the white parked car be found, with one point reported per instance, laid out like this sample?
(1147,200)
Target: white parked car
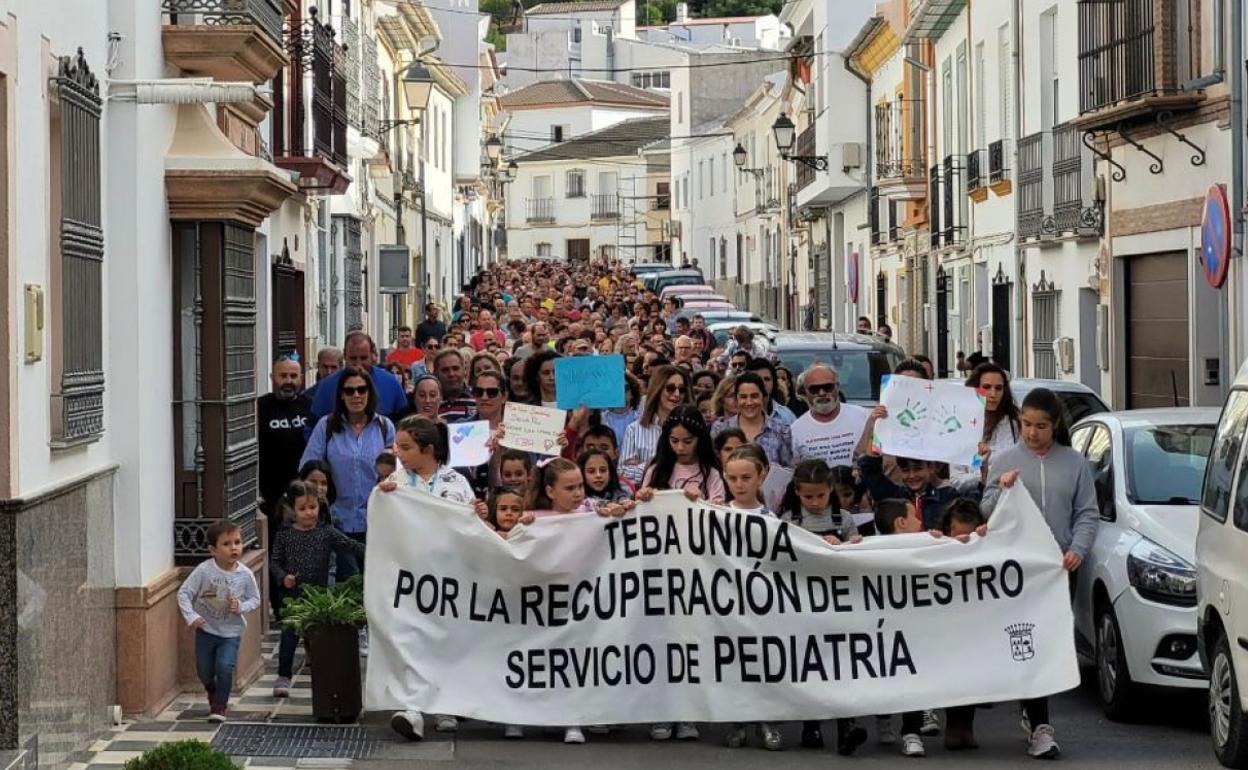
(1135,601)
(1222,582)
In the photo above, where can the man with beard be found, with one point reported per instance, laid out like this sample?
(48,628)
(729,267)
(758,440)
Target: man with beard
(830,430)
(281,417)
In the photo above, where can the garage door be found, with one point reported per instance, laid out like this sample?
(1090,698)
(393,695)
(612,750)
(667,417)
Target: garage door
(1157,352)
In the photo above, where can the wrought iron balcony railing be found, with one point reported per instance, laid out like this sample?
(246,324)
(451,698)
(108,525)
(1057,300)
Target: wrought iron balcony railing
(539,210)
(1030,185)
(998,162)
(976,176)
(605,206)
(1130,49)
(266,14)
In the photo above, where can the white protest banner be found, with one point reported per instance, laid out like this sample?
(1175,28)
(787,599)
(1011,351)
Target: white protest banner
(692,612)
(532,428)
(930,420)
(468,443)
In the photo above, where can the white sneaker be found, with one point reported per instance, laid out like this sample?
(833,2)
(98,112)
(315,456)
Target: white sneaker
(772,739)
(912,745)
(573,735)
(445,723)
(1043,743)
(661,731)
(885,735)
(364,642)
(736,737)
(687,731)
(409,724)
(513,732)
(931,725)
(281,688)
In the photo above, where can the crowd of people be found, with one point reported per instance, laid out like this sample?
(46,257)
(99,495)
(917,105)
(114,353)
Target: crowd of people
(709,419)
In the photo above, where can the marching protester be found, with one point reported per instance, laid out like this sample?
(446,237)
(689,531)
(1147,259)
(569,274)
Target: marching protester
(708,420)
(1060,482)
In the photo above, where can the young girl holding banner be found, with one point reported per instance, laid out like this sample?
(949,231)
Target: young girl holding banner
(559,488)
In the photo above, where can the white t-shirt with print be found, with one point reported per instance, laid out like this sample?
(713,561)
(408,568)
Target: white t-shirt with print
(833,442)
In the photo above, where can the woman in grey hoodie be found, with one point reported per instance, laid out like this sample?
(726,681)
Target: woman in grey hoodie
(1060,483)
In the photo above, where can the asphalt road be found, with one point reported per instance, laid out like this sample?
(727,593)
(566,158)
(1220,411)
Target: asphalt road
(1172,734)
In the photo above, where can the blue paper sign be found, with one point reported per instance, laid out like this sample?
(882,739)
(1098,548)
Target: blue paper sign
(593,381)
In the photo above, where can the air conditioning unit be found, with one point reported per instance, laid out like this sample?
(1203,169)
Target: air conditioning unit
(1064,351)
(851,155)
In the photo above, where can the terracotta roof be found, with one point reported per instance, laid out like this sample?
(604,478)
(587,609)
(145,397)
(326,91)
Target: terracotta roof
(576,91)
(621,140)
(577,6)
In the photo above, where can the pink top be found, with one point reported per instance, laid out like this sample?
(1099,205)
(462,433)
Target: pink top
(683,475)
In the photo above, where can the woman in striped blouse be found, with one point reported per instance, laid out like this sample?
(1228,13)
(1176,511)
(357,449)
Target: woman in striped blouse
(668,389)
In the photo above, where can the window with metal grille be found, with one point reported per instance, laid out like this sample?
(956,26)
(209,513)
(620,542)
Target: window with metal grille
(1044,305)
(575,183)
(77,404)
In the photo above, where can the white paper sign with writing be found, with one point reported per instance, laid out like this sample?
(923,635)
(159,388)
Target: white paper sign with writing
(468,443)
(929,420)
(685,611)
(532,428)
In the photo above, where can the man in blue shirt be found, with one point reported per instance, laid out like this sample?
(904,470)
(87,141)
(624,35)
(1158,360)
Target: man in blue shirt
(360,350)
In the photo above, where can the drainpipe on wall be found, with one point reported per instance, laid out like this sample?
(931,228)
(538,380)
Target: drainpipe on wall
(868,157)
(1237,301)
(1020,290)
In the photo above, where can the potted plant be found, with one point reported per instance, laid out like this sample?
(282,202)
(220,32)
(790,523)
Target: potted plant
(182,755)
(329,620)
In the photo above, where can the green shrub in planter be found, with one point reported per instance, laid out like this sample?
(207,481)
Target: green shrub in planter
(182,755)
(340,605)
(328,619)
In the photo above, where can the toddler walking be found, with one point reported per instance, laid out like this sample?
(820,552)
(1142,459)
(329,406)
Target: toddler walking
(214,600)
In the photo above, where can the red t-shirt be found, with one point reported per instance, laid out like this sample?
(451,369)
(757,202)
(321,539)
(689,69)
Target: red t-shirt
(405,357)
(478,339)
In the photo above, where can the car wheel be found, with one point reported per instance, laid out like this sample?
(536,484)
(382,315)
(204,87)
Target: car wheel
(1114,687)
(1228,725)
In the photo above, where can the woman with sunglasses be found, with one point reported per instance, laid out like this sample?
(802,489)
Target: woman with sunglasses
(490,391)
(349,439)
(668,389)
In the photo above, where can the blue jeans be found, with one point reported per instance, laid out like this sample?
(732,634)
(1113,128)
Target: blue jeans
(215,658)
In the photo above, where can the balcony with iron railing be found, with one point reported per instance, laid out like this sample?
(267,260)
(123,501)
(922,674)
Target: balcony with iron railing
(900,168)
(231,40)
(605,206)
(976,173)
(1030,185)
(1055,186)
(312,85)
(1135,57)
(539,210)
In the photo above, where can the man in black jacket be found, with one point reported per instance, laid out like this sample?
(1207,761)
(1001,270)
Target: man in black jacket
(431,326)
(281,418)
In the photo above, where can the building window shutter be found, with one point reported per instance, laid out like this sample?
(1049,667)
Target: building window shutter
(78,361)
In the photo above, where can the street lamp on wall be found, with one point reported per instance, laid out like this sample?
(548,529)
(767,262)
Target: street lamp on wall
(417,85)
(512,170)
(785,132)
(738,159)
(493,149)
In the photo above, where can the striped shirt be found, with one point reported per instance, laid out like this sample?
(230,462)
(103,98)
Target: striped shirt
(639,443)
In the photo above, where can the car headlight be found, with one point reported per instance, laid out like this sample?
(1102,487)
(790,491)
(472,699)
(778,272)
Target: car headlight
(1161,576)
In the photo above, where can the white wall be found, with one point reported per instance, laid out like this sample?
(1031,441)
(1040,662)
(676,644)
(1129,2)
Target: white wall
(530,129)
(712,205)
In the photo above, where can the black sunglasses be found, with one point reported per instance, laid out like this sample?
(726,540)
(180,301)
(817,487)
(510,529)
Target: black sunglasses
(486,392)
(827,387)
(358,390)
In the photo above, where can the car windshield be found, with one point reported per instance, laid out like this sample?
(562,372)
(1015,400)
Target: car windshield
(860,370)
(1166,463)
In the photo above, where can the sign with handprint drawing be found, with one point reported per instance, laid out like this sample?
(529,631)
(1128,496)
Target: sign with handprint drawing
(942,421)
